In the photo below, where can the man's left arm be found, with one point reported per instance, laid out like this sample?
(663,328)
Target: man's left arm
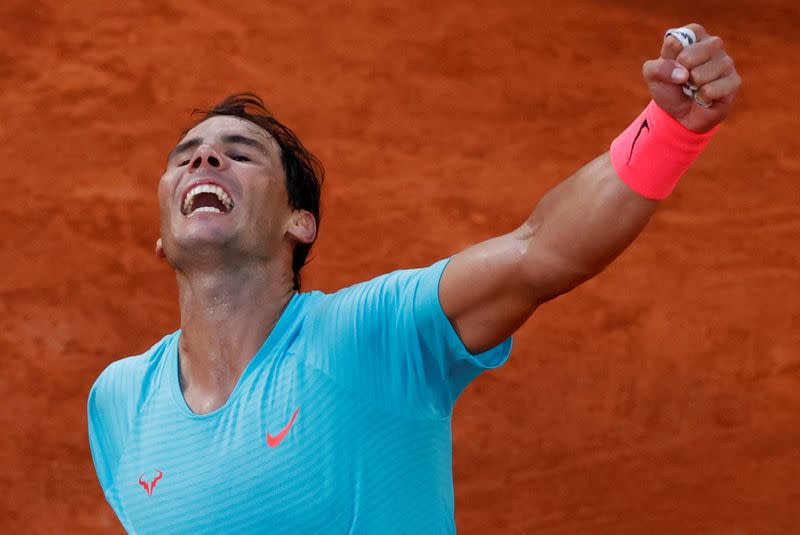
(489,290)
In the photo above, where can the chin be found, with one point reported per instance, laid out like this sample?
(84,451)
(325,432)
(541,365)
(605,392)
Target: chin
(188,248)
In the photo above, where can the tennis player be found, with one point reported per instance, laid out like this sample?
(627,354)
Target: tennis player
(278,411)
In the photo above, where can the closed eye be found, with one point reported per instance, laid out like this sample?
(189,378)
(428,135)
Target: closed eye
(184,162)
(239,158)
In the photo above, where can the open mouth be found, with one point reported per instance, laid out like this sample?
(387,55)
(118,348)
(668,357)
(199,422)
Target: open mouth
(206,198)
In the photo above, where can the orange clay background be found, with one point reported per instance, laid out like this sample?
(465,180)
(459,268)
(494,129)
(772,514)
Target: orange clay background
(661,397)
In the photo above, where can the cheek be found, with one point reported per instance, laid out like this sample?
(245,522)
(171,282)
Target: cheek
(164,192)
(272,209)
(273,199)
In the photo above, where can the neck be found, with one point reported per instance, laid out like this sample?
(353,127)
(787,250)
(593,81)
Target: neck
(226,315)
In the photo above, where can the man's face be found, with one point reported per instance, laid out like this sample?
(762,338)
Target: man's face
(223,193)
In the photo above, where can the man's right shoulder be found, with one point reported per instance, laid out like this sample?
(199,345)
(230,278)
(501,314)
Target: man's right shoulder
(124,384)
(115,399)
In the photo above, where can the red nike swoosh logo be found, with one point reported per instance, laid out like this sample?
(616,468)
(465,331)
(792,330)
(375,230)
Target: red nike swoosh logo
(274,441)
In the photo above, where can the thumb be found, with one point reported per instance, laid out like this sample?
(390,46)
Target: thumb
(664,70)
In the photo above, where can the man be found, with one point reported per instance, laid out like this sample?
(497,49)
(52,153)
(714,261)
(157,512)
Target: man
(276,411)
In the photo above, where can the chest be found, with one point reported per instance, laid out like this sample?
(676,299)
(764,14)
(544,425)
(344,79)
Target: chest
(275,459)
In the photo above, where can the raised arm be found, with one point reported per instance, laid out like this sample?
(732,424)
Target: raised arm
(489,290)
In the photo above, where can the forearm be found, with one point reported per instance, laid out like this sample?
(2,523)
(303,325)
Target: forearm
(489,290)
(580,226)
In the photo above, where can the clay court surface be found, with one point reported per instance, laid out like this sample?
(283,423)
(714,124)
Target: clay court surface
(663,397)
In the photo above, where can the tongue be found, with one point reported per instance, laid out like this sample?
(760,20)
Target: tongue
(207,199)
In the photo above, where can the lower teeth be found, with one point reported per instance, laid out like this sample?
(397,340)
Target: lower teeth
(207,209)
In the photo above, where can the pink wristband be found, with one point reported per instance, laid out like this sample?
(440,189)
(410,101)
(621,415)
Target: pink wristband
(654,151)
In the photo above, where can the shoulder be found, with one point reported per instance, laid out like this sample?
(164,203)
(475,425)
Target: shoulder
(115,400)
(125,383)
(393,288)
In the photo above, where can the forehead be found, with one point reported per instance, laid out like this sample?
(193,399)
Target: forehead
(214,128)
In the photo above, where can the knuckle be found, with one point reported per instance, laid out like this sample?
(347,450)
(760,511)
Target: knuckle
(696,27)
(672,46)
(650,70)
(686,58)
(727,63)
(673,43)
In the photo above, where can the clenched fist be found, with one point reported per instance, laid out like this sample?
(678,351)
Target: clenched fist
(704,64)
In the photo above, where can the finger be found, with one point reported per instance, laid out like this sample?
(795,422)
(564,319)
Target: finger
(698,30)
(722,89)
(700,52)
(672,46)
(717,67)
(664,70)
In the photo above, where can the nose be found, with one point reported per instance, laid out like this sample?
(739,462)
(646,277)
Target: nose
(206,156)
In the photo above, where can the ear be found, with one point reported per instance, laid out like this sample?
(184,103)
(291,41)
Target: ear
(160,249)
(302,226)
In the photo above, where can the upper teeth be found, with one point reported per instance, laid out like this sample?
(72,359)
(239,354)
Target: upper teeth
(206,188)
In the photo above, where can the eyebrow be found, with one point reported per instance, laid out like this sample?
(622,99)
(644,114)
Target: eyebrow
(230,139)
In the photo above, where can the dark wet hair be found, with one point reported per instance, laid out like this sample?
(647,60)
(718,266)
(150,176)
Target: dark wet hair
(304,172)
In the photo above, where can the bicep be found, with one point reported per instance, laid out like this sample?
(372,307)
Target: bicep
(483,293)
(489,290)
